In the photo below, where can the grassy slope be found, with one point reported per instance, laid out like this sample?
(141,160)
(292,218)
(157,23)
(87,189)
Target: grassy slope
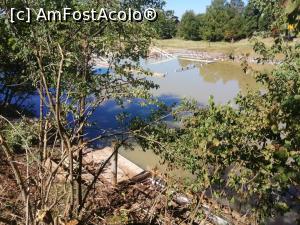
(237,48)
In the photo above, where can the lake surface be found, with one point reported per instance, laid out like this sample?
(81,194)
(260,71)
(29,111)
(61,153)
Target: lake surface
(223,80)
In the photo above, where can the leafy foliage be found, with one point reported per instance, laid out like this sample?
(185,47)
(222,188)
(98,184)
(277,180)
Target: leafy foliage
(248,153)
(166,24)
(58,59)
(21,135)
(14,85)
(225,20)
(117,41)
(189,26)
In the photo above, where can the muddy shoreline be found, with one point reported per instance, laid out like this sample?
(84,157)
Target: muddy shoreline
(207,56)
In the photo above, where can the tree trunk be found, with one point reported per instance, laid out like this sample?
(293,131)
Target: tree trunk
(115,165)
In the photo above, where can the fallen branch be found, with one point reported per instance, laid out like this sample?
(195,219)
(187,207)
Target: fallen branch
(17,175)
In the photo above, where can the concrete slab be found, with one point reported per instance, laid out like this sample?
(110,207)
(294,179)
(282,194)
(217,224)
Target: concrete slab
(126,169)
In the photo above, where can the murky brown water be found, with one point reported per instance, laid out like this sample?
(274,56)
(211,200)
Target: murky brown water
(223,80)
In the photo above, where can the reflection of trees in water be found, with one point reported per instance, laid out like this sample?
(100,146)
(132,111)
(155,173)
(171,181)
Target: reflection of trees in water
(225,72)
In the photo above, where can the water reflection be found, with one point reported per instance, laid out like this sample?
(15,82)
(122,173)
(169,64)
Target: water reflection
(227,72)
(223,80)
(105,116)
(149,161)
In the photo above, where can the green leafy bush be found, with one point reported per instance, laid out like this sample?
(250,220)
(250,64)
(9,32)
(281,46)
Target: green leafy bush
(21,134)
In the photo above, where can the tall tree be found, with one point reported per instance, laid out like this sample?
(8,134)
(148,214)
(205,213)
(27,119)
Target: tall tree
(252,19)
(189,26)
(166,24)
(239,5)
(216,19)
(234,29)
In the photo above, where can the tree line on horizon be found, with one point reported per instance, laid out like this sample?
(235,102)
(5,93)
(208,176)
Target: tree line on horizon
(223,21)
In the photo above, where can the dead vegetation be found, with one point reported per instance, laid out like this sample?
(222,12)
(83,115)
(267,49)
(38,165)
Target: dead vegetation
(144,199)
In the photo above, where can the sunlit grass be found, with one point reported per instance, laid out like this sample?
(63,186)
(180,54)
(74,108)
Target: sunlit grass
(241,47)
